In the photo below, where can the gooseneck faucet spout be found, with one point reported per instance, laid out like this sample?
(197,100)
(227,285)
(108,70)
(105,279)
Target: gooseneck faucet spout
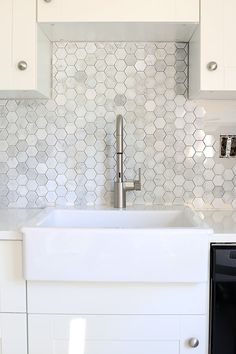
(119,148)
(122,187)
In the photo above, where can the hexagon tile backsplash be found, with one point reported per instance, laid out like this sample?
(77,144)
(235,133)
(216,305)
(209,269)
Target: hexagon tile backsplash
(62,151)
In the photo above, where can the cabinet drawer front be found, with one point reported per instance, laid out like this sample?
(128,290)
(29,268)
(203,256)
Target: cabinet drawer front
(13,336)
(116,298)
(123,10)
(12,284)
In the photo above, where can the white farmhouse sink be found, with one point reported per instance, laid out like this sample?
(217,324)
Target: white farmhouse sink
(157,245)
(117,219)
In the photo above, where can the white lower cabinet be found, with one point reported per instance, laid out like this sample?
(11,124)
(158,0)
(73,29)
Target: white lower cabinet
(113,347)
(115,334)
(13,334)
(12,284)
(13,320)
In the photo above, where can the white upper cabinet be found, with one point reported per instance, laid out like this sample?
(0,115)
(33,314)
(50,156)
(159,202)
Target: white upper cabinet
(118,20)
(213,52)
(120,11)
(25,60)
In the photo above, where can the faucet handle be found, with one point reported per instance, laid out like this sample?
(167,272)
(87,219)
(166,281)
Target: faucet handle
(137,183)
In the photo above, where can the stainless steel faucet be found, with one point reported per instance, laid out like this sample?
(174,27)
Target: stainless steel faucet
(122,187)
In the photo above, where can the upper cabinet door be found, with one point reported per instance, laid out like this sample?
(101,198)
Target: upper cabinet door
(229,44)
(213,52)
(6,43)
(211,41)
(25,52)
(24,44)
(118,11)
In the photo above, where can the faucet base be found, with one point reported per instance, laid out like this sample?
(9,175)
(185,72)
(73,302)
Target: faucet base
(119,195)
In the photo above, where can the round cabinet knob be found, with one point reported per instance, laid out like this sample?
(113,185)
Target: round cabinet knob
(22,65)
(47,0)
(193,342)
(212,66)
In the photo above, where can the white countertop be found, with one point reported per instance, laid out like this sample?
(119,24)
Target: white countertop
(221,221)
(11,220)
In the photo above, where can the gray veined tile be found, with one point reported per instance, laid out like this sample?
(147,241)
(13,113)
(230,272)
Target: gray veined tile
(46,145)
(120,100)
(121,53)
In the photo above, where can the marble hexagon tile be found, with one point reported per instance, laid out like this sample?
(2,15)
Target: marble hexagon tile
(62,151)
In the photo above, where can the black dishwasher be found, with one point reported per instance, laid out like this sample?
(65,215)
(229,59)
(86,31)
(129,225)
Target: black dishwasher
(223,299)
